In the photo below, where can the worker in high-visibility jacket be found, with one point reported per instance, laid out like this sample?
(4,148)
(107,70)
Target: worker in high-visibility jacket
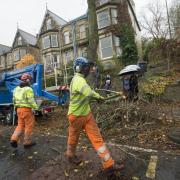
(80,117)
(24,102)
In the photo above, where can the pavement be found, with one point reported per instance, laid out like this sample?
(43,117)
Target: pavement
(141,163)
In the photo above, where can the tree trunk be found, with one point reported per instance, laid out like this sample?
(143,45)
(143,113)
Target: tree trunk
(93,31)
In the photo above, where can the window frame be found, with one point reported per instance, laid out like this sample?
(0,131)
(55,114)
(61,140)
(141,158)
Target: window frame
(48,66)
(14,54)
(43,42)
(117,45)
(100,20)
(66,34)
(19,41)
(55,64)
(101,2)
(70,55)
(106,47)
(20,50)
(82,33)
(83,50)
(114,19)
(9,59)
(57,44)
(49,24)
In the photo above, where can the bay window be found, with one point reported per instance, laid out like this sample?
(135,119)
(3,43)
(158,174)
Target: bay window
(51,62)
(22,53)
(46,42)
(48,63)
(54,41)
(114,16)
(103,19)
(16,55)
(55,60)
(106,47)
(117,46)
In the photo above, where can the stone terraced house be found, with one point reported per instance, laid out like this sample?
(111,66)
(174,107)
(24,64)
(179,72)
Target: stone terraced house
(59,42)
(24,43)
(3,56)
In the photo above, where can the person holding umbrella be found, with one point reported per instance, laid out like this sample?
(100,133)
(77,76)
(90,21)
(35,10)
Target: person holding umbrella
(130,81)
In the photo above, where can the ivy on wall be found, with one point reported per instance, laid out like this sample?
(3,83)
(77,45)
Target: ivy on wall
(124,30)
(128,45)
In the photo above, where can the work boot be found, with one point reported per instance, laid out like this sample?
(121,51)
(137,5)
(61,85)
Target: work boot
(26,146)
(113,169)
(74,160)
(14,144)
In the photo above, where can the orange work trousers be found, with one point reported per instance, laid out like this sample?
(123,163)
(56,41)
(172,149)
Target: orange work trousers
(26,122)
(88,124)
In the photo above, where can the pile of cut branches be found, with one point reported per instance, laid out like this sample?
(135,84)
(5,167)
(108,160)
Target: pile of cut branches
(140,123)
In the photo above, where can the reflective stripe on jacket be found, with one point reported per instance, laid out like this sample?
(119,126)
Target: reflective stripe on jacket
(24,97)
(80,94)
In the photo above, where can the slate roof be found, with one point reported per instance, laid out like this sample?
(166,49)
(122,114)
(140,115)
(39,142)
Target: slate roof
(4,49)
(61,22)
(58,19)
(84,16)
(29,38)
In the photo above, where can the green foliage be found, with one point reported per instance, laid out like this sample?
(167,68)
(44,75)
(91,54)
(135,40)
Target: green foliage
(157,50)
(128,45)
(155,86)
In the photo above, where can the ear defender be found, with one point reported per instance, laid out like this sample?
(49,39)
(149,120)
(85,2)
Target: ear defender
(78,69)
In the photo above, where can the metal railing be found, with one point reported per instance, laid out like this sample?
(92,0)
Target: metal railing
(55,76)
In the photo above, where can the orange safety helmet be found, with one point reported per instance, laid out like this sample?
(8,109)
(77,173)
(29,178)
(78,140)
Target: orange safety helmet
(25,77)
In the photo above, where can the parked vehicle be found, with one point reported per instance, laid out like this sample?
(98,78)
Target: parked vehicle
(9,80)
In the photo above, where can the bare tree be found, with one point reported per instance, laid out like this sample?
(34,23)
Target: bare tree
(154,20)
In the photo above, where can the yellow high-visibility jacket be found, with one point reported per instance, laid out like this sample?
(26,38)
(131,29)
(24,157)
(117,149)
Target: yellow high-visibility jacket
(80,94)
(24,97)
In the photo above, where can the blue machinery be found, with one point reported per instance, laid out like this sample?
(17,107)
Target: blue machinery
(9,80)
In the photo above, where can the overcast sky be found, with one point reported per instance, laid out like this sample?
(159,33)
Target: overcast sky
(29,14)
